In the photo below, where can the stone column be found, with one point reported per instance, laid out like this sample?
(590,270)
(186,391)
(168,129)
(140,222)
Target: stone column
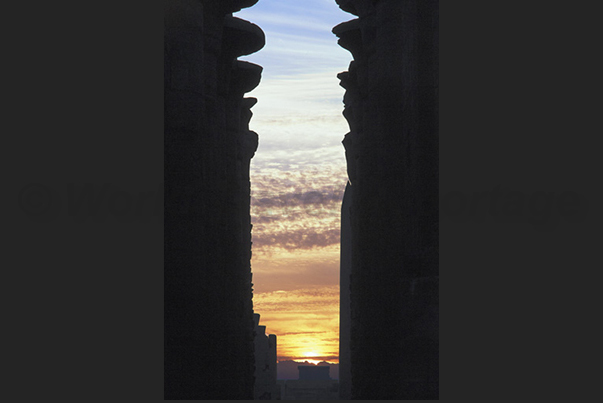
(345,268)
(208,343)
(392,156)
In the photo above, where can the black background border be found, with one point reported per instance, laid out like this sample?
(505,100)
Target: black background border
(83,301)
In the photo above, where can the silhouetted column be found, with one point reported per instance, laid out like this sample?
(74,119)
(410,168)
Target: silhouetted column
(345,269)
(207,274)
(392,155)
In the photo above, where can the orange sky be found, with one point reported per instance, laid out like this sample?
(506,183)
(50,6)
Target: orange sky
(295,260)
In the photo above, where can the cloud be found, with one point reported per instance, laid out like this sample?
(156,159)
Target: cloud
(290,95)
(296,210)
(292,333)
(290,299)
(298,239)
(289,270)
(307,198)
(299,121)
(298,185)
(305,321)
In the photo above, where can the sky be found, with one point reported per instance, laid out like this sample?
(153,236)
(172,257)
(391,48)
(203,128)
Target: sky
(298,175)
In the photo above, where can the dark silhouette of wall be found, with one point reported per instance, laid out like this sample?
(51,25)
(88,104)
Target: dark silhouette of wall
(265,387)
(208,146)
(391,104)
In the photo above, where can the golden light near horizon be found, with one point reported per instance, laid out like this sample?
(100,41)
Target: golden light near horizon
(305,321)
(309,356)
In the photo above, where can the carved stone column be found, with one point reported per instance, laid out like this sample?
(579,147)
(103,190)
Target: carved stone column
(392,155)
(209,345)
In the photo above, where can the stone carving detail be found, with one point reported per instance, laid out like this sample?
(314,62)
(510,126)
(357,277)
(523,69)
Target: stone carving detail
(389,327)
(209,326)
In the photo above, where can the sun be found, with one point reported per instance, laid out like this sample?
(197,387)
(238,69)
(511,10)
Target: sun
(308,355)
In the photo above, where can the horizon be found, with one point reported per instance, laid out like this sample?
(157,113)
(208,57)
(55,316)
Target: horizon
(288,369)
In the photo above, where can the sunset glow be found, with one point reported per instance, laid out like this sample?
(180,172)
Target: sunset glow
(298,176)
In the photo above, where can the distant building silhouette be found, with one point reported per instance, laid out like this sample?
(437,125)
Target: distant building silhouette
(265,387)
(288,369)
(389,345)
(207,225)
(314,373)
(314,383)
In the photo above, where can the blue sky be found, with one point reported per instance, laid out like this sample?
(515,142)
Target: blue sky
(298,116)
(298,36)
(298,174)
